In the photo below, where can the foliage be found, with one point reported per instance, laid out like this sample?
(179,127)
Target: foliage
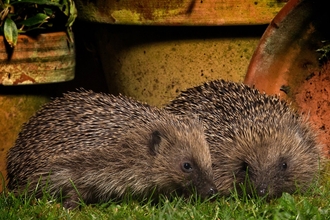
(324,51)
(22,16)
(311,205)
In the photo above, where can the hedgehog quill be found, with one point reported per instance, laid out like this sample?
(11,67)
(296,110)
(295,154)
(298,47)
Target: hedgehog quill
(253,135)
(108,146)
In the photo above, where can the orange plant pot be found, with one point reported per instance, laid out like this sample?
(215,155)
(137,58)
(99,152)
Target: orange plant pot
(45,58)
(287,62)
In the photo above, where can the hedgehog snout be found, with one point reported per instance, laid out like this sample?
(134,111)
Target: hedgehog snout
(209,190)
(212,191)
(262,190)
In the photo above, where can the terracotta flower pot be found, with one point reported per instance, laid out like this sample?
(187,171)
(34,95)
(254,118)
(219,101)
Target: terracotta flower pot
(153,49)
(15,109)
(287,61)
(179,12)
(45,58)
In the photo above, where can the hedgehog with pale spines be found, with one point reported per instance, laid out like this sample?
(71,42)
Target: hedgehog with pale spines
(108,146)
(253,135)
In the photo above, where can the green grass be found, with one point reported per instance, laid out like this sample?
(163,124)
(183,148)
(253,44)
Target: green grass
(314,204)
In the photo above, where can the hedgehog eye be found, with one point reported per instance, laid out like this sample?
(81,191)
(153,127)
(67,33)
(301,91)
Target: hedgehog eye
(245,166)
(186,167)
(284,166)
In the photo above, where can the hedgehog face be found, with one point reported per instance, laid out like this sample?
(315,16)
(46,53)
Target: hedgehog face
(196,179)
(273,164)
(270,180)
(185,162)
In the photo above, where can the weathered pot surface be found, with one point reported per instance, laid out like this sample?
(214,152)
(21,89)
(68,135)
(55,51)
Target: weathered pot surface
(179,12)
(43,58)
(15,110)
(286,61)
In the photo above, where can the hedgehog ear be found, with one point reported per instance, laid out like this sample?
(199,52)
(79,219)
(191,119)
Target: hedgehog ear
(154,142)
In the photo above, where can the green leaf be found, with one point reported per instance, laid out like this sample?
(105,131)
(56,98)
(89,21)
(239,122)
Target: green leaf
(37,19)
(48,11)
(39,2)
(6,2)
(72,13)
(10,32)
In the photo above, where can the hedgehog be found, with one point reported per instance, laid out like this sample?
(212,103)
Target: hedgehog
(259,145)
(97,147)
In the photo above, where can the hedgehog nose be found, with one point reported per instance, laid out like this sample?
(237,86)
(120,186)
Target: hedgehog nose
(212,191)
(262,190)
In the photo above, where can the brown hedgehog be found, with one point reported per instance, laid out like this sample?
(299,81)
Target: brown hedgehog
(252,135)
(109,146)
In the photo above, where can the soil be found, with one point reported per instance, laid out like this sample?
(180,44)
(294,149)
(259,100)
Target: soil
(313,99)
